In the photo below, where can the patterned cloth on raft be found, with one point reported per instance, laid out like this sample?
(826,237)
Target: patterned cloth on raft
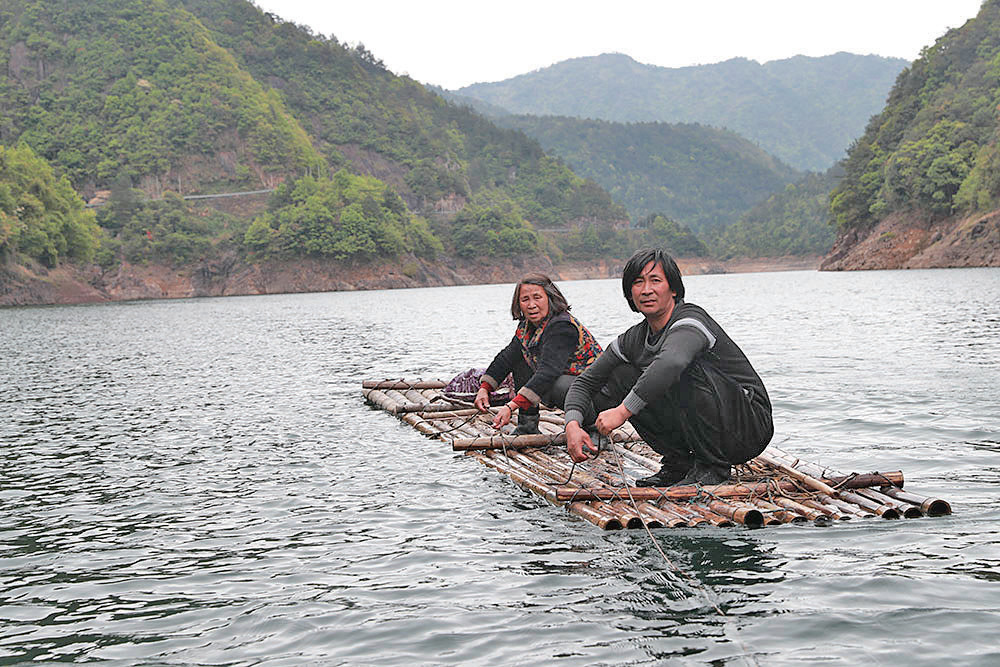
(463,387)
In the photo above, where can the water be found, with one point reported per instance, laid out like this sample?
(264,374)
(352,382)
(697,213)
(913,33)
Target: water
(200,482)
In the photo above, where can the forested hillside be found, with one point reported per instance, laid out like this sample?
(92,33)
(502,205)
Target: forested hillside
(152,100)
(793,221)
(702,177)
(932,157)
(806,111)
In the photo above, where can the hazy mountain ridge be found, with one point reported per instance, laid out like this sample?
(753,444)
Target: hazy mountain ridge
(804,110)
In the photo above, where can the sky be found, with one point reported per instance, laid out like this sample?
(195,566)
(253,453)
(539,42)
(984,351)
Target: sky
(453,43)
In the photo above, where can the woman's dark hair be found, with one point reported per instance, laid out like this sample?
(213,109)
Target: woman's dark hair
(638,261)
(557,302)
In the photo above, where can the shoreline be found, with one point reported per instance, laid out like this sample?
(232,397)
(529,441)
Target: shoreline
(230,276)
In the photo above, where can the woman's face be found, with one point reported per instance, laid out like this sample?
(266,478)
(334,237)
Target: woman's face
(534,303)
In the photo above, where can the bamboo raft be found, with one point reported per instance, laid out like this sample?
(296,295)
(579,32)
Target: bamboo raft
(774,488)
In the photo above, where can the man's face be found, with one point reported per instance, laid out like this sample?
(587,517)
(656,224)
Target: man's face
(651,293)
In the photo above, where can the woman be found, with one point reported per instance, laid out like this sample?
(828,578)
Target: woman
(549,349)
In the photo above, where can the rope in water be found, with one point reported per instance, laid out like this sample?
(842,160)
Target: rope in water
(702,588)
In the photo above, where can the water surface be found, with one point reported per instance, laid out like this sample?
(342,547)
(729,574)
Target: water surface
(199,482)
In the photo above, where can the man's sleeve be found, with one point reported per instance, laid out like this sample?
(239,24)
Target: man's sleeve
(579,398)
(680,347)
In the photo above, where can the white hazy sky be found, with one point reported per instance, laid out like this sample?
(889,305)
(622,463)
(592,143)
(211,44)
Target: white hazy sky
(453,43)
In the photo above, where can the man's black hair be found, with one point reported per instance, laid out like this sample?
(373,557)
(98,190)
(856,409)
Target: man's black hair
(638,261)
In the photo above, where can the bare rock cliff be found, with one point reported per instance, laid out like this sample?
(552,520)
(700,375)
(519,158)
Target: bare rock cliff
(907,242)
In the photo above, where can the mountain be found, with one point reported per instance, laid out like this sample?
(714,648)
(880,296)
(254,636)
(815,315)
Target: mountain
(139,89)
(806,111)
(143,102)
(921,186)
(702,177)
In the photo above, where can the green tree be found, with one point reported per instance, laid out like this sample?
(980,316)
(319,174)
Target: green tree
(41,216)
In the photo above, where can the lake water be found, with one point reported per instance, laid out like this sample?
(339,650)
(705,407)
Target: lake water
(200,482)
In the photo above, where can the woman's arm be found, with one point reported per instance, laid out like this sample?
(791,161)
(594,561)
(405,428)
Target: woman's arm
(498,369)
(558,343)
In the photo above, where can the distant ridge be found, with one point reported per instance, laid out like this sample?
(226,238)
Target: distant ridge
(804,110)
(700,176)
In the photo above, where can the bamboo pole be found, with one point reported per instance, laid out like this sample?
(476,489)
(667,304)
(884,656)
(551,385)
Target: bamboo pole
(932,506)
(498,441)
(688,513)
(713,518)
(748,516)
(636,457)
(441,406)
(625,512)
(831,512)
(812,514)
(851,509)
(780,514)
(808,480)
(423,425)
(906,509)
(884,511)
(415,396)
(667,518)
(404,384)
(624,516)
(739,490)
(887,479)
(669,513)
(446,414)
(629,514)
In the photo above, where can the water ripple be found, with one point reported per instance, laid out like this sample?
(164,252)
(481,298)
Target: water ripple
(198,481)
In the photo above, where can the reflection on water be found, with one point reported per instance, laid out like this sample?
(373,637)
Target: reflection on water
(199,481)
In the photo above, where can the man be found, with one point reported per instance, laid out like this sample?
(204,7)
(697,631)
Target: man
(685,386)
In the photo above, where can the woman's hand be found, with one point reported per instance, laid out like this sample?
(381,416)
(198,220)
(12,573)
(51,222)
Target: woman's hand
(503,416)
(482,399)
(576,440)
(611,419)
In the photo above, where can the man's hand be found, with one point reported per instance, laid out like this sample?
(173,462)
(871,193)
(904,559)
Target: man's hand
(482,399)
(576,440)
(611,419)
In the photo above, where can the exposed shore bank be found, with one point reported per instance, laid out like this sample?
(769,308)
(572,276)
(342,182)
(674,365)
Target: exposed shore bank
(230,276)
(906,241)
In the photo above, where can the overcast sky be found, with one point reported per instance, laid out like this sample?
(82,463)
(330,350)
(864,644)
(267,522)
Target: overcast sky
(453,43)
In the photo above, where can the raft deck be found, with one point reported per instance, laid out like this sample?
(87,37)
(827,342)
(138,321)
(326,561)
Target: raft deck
(771,489)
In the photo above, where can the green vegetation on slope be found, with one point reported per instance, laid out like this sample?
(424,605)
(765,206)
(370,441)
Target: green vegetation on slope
(794,221)
(366,118)
(138,88)
(128,94)
(699,176)
(41,216)
(167,230)
(654,230)
(347,216)
(805,111)
(934,149)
